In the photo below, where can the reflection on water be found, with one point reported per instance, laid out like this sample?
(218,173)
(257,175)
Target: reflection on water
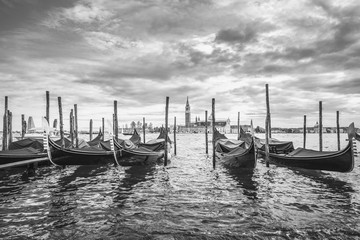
(186,200)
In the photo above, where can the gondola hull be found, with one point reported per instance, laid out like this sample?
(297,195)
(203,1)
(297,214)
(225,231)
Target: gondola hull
(339,161)
(68,156)
(137,156)
(239,158)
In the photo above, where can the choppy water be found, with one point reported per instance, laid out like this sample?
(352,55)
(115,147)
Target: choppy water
(186,200)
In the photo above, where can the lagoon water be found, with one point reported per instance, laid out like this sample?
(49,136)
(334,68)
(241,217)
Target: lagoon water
(185,200)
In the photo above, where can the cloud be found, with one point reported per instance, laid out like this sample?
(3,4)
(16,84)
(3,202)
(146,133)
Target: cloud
(138,52)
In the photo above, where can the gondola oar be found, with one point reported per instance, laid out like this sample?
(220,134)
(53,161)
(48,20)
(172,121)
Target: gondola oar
(253,140)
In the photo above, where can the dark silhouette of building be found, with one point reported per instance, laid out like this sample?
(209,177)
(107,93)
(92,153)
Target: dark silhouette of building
(187,114)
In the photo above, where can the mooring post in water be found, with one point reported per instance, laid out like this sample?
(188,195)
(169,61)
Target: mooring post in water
(72,127)
(103,128)
(61,123)
(213,131)
(91,129)
(268,108)
(320,127)
(5,126)
(267,141)
(304,143)
(166,130)
(144,128)
(23,127)
(76,126)
(338,129)
(48,106)
(113,130)
(10,126)
(174,135)
(206,133)
(116,126)
(238,126)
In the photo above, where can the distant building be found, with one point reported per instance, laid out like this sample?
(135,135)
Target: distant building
(222,125)
(187,114)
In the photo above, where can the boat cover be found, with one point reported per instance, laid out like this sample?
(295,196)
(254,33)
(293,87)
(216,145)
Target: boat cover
(22,151)
(96,140)
(135,138)
(275,146)
(225,145)
(26,143)
(302,152)
(228,145)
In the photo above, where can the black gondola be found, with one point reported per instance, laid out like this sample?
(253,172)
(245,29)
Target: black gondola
(338,161)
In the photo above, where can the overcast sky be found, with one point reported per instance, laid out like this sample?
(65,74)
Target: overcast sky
(140,51)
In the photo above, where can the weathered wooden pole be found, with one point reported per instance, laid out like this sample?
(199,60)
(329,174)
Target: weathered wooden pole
(174,135)
(10,126)
(268,109)
(213,131)
(23,127)
(320,127)
(113,130)
(338,129)
(206,133)
(166,130)
(61,123)
(267,141)
(91,129)
(103,128)
(144,128)
(76,126)
(304,143)
(238,126)
(5,126)
(72,127)
(48,107)
(116,126)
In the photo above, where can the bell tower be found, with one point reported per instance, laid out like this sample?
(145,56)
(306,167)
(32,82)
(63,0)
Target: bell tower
(187,113)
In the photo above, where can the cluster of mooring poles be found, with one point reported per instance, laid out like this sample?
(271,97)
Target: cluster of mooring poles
(268,129)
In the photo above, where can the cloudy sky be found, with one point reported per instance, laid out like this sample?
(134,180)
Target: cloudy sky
(140,51)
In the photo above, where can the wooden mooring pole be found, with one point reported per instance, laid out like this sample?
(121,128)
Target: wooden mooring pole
(116,125)
(304,143)
(103,128)
(338,129)
(10,126)
(23,126)
(268,109)
(238,126)
(72,127)
(61,123)
(267,160)
(166,131)
(206,133)
(144,129)
(91,129)
(174,135)
(320,127)
(213,131)
(76,126)
(48,107)
(5,126)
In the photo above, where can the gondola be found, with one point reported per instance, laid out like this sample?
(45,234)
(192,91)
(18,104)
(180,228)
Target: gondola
(129,154)
(21,150)
(234,153)
(337,161)
(92,155)
(157,144)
